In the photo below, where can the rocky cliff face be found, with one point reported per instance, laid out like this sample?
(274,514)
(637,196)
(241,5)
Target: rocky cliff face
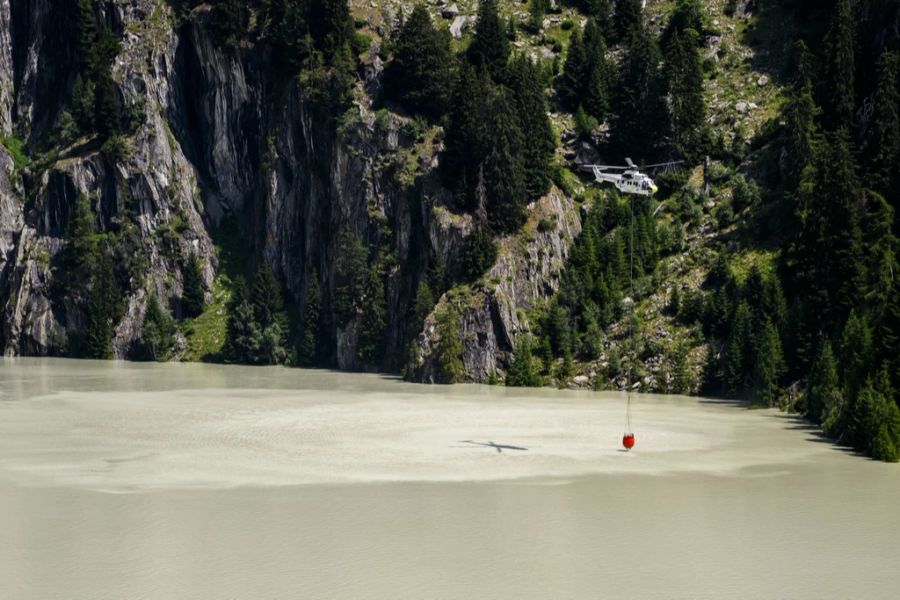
(222,135)
(495,311)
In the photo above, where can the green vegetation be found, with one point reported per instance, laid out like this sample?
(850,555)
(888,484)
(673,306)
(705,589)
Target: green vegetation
(419,75)
(157,333)
(193,297)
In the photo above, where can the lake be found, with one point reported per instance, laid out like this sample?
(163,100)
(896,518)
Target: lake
(125,480)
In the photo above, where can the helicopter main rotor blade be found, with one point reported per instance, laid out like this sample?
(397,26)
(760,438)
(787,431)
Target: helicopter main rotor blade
(665,164)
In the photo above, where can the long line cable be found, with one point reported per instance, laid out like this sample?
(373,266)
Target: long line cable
(630,315)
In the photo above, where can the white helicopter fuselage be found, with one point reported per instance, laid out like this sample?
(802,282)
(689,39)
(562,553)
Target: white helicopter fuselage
(628,182)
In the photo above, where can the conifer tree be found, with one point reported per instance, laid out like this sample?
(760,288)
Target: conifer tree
(688,15)
(309,346)
(230,21)
(884,133)
(769,364)
(687,108)
(530,106)
(268,302)
(889,335)
(602,12)
(156,332)
(419,75)
(504,169)
(536,10)
(373,320)
(522,372)
(574,73)
(467,139)
(831,239)
(628,20)
(243,335)
(823,386)
(639,105)
(595,87)
(490,47)
(351,267)
(681,374)
(839,68)
(87,35)
(193,297)
(102,310)
(739,358)
(449,348)
(422,307)
(332,30)
(856,353)
(800,113)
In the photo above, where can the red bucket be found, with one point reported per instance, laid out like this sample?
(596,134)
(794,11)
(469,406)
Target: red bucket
(628,441)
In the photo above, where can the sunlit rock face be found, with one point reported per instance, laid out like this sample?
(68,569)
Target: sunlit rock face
(223,136)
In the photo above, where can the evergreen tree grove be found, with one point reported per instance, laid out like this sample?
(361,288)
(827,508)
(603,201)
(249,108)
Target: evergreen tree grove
(490,47)
(193,298)
(419,75)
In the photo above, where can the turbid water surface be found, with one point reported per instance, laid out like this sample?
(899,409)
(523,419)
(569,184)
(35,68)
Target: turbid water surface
(121,480)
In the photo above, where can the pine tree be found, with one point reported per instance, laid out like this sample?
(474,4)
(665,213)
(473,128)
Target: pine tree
(156,332)
(422,307)
(193,297)
(504,169)
(884,132)
(266,297)
(419,75)
(639,106)
(575,72)
(602,12)
(889,334)
(823,386)
(839,68)
(467,140)
(530,106)
(688,15)
(103,310)
(594,93)
(351,267)
(800,113)
(370,349)
(243,337)
(769,365)
(536,10)
(856,353)
(448,353)
(681,374)
(83,102)
(490,47)
(332,30)
(687,108)
(308,348)
(832,271)
(521,372)
(739,358)
(230,22)
(87,36)
(628,20)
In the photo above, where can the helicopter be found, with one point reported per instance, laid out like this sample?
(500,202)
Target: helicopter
(629,180)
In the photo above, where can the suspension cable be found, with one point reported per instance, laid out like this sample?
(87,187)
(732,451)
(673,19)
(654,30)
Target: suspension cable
(630,315)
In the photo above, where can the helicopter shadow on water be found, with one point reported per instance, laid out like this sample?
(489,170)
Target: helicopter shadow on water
(499,447)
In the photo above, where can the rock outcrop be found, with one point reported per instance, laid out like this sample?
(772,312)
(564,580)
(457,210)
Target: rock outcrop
(222,136)
(494,312)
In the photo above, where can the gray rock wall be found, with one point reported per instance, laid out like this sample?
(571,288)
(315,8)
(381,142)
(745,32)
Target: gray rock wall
(225,135)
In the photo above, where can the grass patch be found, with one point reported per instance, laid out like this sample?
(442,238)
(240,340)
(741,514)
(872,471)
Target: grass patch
(16,149)
(205,334)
